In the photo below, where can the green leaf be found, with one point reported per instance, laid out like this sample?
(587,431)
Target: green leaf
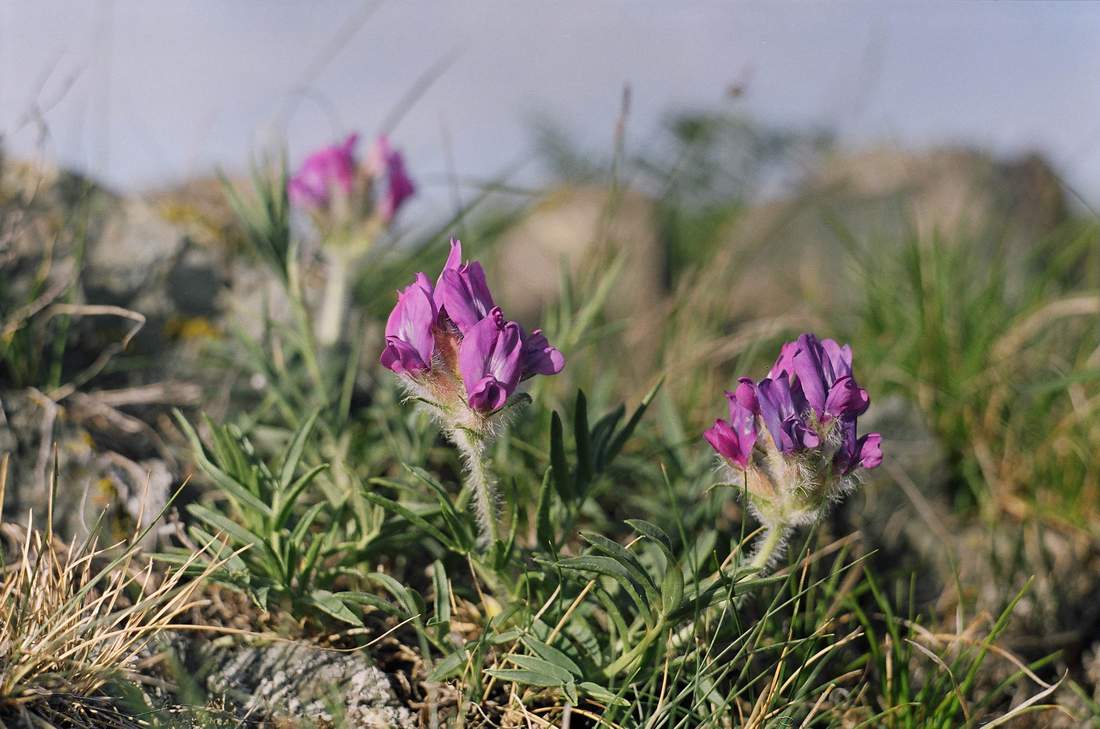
(672,589)
(523,676)
(540,666)
(655,533)
(608,567)
(442,596)
(599,693)
(602,432)
(544,530)
(558,463)
(552,655)
(584,445)
(365,598)
(623,556)
(223,523)
(332,605)
(616,445)
(294,451)
(226,483)
(291,496)
(411,604)
(410,516)
(448,666)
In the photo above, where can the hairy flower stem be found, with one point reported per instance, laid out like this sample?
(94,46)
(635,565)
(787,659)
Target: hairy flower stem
(480,481)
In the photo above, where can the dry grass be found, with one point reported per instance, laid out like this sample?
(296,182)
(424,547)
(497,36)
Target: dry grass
(74,620)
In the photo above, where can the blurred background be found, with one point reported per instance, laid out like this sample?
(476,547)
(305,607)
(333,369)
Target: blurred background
(150,94)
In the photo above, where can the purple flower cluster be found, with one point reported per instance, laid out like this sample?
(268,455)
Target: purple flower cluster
(333,174)
(809,402)
(453,335)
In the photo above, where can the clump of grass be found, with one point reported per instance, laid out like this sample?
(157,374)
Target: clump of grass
(74,622)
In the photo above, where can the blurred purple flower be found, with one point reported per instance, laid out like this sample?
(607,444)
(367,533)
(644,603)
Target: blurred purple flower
(386,163)
(489,361)
(325,172)
(410,340)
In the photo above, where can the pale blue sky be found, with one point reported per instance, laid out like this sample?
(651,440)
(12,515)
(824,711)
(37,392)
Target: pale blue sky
(141,93)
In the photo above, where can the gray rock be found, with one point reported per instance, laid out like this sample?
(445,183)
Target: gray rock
(304,682)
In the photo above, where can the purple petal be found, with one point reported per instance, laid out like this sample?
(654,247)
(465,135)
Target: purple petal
(454,262)
(839,358)
(846,398)
(488,394)
(774,397)
(384,161)
(465,295)
(401,187)
(723,439)
(411,323)
(807,366)
(401,357)
(785,361)
(539,356)
(745,395)
(866,452)
(489,360)
(870,450)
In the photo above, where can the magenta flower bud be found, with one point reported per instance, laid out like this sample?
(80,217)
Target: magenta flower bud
(410,341)
(489,360)
(386,164)
(734,440)
(325,173)
(539,356)
(865,452)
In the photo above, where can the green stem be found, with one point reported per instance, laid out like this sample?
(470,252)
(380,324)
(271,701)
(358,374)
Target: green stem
(330,319)
(301,316)
(624,661)
(772,539)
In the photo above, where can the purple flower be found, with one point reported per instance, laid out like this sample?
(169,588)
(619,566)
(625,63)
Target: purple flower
(734,440)
(385,162)
(462,291)
(783,409)
(865,452)
(476,349)
(489,360)
(824,371)
(326,172)
(410,341)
